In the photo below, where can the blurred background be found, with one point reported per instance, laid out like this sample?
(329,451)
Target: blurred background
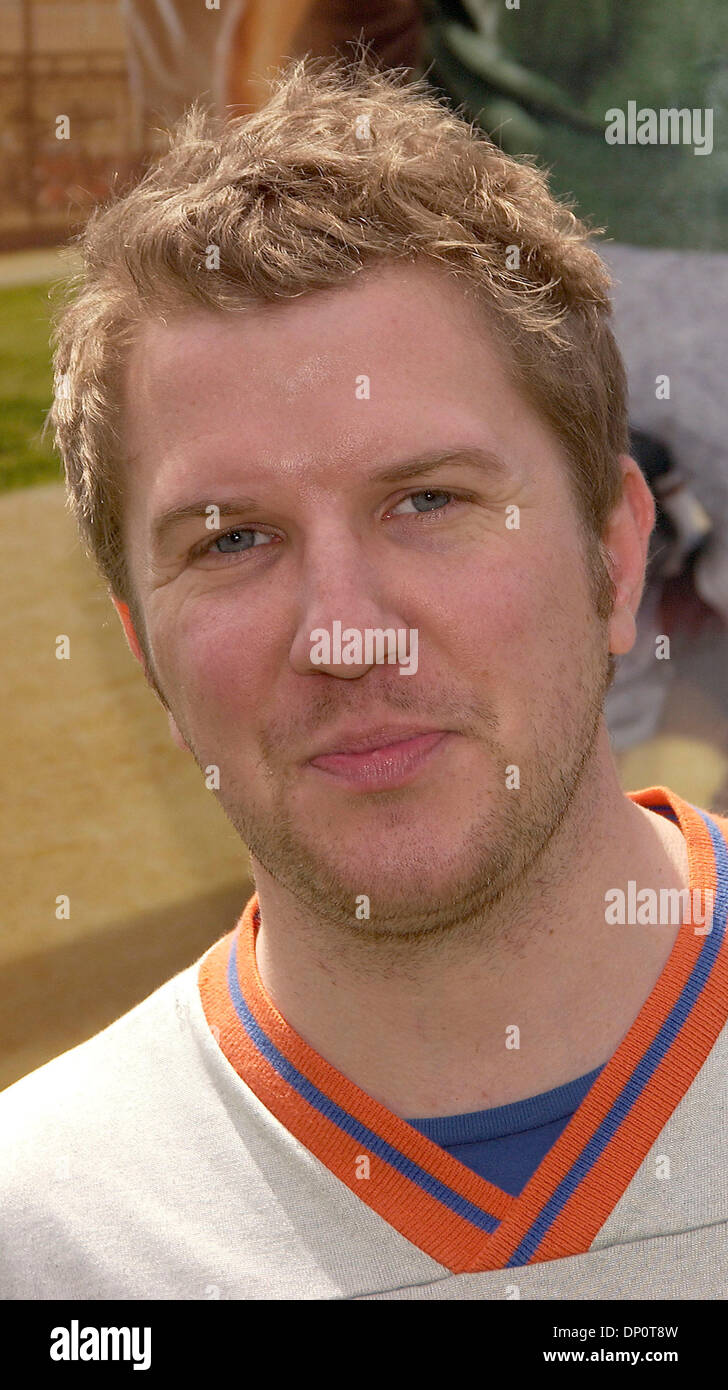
(100,805)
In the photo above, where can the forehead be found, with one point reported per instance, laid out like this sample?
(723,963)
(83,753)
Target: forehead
(381,364)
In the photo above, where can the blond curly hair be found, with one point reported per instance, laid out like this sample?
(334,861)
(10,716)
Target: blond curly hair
(345,166)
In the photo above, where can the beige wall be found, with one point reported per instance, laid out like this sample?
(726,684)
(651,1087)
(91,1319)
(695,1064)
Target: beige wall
(61,25)
(99,805)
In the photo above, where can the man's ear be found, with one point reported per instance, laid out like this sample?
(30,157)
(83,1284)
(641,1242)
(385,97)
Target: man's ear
(135,647)
(131,637)
(627,541)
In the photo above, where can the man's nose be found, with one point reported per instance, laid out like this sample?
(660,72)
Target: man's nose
(348,616)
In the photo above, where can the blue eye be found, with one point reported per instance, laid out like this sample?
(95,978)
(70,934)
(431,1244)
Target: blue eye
(244,538)
(428,493)
(237,532)
(231,535)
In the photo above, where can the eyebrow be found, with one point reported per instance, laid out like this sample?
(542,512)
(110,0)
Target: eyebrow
(485,460)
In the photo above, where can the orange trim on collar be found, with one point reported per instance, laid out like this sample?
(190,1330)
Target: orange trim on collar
(439,1204)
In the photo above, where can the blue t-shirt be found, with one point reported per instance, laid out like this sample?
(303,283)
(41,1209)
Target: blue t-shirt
(506,1144)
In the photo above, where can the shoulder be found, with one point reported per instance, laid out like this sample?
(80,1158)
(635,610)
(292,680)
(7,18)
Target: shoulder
(79,1100)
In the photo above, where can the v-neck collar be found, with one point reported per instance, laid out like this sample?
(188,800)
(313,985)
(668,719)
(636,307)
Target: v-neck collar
(457,1217)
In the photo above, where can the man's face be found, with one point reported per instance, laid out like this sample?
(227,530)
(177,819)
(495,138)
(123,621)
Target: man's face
(271,405)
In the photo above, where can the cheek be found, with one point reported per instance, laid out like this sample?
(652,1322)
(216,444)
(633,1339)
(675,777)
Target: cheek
(515,631)
(215,659)
(504,614)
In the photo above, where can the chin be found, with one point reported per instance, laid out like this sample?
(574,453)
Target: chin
(403,879)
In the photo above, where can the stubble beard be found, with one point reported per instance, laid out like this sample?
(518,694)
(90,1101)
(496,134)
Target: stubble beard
(420,898)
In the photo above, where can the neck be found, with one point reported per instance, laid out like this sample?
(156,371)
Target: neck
(435,1034)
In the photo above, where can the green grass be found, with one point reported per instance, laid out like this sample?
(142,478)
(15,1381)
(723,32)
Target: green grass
(26,388)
